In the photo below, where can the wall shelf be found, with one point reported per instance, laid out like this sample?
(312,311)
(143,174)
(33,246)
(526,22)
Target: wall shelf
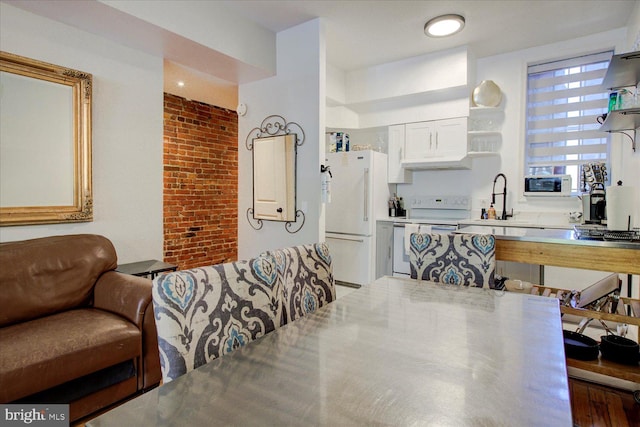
(619,120)
(485,137)
(484,133)
(484,109)
(623,71)
(475,154)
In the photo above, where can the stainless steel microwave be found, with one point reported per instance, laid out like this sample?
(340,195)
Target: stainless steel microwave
(547,185)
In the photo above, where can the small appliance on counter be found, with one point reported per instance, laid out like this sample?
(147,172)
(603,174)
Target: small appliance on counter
(547,185)
(593,178)
(594,205)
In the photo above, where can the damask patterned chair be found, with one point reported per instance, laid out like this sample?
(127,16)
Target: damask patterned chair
(453,259)
(206,312)
(307,280)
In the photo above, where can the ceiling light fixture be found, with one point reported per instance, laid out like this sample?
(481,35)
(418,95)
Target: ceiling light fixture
(444,25)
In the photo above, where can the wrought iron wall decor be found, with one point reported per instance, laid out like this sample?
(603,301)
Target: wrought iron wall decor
(273,130)
(274,125)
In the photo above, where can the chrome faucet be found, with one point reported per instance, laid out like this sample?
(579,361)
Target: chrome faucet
(504,196)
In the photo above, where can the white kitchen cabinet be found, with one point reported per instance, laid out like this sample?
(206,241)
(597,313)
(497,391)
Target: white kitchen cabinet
(435,144)
(419,141)
(437,138)
(396,173)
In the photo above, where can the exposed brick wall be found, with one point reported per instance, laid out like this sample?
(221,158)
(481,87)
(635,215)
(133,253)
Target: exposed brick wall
(200,183)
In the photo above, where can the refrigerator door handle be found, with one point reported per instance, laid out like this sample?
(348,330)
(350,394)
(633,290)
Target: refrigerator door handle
(366,194)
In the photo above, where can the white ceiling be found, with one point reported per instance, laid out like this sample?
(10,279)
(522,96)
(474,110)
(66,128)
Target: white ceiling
(365,33)
(359,33)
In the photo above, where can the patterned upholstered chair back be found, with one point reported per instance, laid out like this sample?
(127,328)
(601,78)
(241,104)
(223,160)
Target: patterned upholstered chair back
(454,259)
(206,312)
(306,277)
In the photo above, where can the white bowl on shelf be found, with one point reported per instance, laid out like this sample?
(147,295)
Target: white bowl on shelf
(487,94)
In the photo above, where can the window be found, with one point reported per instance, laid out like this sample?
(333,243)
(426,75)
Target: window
(564,100)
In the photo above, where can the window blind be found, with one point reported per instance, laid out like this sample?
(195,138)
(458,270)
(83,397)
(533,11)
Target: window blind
(564,100)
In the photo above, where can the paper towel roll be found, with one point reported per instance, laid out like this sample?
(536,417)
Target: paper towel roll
(620,205)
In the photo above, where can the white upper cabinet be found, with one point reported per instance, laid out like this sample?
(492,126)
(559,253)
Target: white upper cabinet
(434,142)
(419,141)
(451,137)
(436,139)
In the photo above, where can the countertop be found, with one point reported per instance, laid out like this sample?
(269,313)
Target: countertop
(543,236)
(482,222)
(516,223)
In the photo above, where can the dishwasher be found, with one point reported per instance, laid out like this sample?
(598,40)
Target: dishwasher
(440,213)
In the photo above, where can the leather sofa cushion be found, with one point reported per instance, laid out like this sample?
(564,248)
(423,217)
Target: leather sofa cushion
(51,274)
(49,351)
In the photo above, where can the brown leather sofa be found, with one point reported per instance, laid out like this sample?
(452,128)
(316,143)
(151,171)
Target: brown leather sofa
(72,329)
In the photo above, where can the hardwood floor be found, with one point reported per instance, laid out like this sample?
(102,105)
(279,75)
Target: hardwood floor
(594,405)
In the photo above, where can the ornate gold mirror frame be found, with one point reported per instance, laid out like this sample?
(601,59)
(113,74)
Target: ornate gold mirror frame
(45,143)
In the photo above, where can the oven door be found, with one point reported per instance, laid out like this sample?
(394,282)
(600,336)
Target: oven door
(401,263)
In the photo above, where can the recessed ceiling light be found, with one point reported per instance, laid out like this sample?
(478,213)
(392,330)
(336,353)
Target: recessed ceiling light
(181,83)
(445,25)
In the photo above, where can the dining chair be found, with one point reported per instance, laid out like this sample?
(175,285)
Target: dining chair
(462,259)
(206,312)
(306,276)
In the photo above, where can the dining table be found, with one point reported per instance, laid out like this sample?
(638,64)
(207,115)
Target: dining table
(396,352)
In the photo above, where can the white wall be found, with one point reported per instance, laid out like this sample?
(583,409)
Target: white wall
(633,29)
(425,87)
(127,131)
(296,93)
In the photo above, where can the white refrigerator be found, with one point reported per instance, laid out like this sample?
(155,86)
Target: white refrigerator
(359,195)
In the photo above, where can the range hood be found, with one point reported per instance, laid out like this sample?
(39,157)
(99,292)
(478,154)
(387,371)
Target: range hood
(463,162)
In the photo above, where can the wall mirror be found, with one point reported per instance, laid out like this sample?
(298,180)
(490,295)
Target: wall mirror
(274,178)
(45,143)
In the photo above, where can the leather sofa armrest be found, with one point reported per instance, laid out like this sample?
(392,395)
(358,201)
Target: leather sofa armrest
(123,294)
(130,297)
(152,372)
